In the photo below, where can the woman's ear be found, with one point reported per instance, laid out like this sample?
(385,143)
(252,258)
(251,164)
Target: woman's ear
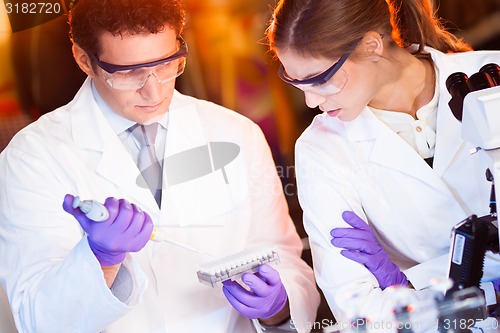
(372,45)
(83,60)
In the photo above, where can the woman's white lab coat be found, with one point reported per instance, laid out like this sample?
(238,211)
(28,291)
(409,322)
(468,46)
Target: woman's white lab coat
(366,167)
(52,278)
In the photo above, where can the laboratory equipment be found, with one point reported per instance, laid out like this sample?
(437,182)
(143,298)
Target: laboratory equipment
(462,310)
(476,103)
(92,209)
(471,238)
(97,212)
(416,314)
(232,266)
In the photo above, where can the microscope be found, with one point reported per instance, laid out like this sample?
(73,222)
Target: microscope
(476,103)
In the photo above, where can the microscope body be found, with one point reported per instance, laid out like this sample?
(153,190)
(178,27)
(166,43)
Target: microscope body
(475,235)
(481,127)
(476,103)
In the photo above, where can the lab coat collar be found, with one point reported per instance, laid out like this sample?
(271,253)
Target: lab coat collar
(118,123)
(185,129)
(92,131)
(389,150)
(89,126)
(182,201)
(448,136)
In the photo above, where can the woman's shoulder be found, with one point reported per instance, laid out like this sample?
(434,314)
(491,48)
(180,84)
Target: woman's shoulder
(321,126)
(470,59)
(492,55)
(325,136)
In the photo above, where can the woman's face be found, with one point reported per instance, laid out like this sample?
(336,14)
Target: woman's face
(344,95)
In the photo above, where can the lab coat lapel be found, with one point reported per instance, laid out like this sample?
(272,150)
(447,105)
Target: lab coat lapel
(448,137)
(117,166)
(112,161)
(391,151)
(203,197)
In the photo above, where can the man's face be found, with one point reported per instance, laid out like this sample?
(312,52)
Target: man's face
(151,101)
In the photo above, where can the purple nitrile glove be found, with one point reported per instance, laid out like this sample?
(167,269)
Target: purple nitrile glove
(127,229)
(267,295)
(359,244)
(496,284)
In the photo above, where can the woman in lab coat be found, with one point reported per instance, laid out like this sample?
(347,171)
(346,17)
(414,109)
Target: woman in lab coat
(386,147)
(49,269)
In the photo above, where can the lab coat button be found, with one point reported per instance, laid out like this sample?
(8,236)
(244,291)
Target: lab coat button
(418,129)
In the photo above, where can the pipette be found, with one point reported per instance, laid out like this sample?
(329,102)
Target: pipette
(97,212)
(93,209)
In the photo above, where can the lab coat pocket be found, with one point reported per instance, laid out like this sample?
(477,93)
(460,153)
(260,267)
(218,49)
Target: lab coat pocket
(199,200)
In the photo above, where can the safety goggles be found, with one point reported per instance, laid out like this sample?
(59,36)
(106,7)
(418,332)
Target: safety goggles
(133,77)
(330,82)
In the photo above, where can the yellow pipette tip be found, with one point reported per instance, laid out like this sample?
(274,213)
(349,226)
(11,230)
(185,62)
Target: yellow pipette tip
(153,234)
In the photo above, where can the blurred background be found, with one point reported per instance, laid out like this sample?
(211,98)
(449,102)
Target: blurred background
(227,64)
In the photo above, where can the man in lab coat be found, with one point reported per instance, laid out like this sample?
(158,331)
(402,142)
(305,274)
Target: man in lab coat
(65,273)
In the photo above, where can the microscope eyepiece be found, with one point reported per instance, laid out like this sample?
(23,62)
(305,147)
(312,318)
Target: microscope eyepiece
(480,81)
(457,86)
(493,70)
(456,82)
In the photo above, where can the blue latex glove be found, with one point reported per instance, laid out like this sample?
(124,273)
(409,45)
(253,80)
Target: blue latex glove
(359,244)
(127,229)
(266,297)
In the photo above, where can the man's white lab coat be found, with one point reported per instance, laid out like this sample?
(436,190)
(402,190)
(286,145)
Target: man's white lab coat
(53,280)
(366,167)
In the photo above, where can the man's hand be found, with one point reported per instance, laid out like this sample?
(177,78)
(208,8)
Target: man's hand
(359,244)
(267,295)
(127,229)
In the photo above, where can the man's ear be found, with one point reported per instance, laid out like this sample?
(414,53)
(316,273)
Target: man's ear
(83,60)
(372,45)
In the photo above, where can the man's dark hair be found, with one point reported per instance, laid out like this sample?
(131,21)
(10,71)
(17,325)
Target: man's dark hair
(88,19)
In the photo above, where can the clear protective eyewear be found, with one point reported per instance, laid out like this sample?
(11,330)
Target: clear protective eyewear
(133,77)
(330,82)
